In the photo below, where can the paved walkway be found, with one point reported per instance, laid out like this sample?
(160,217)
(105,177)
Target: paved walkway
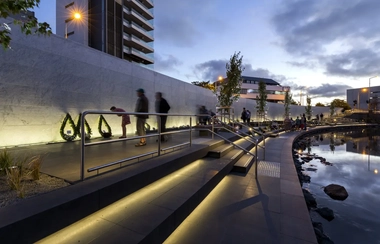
(242,209)
(63,159)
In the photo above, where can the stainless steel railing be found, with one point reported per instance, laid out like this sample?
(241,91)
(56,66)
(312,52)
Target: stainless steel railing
(84,144)
(159,133)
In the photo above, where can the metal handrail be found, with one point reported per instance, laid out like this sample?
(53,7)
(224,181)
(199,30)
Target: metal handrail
(241,148)
(252,129)
(158,134)
(226,125)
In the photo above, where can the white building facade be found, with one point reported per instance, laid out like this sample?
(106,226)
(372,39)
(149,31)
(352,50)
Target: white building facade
(358,98)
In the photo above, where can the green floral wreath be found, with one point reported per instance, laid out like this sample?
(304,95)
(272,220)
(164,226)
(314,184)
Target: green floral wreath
(109,131)
(86,125)
(65,136)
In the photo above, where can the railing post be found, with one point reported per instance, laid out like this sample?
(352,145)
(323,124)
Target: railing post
(82,142)
(256,159)
(212,127)
(190,132)
(264,146)
(159,135)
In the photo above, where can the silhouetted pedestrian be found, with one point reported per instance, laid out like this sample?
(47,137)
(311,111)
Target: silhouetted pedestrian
(125,120)
(142,106)
(162,107)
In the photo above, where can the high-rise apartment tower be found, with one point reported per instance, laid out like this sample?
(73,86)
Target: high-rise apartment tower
(122,28)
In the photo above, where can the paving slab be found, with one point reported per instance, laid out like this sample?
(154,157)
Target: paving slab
(242,209)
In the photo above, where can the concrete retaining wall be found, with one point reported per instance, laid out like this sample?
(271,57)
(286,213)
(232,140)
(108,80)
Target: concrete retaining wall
(43,78)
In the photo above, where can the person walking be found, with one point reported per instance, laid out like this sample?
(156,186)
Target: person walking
(244,115)
(125,120)
(248,117)
(142,106)
(303,119)
(162,107)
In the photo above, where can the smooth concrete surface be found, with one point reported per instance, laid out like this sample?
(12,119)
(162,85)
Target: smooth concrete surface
(58,209)
(43,78)
(242,209)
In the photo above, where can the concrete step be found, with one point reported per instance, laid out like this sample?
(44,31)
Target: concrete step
(58,209)
(152,213)
(244,164)
(220,151)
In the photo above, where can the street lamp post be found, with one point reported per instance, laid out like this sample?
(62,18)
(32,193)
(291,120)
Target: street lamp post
(369,91)
(75,16)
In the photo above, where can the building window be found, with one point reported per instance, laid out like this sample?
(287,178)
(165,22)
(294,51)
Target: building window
(243,91)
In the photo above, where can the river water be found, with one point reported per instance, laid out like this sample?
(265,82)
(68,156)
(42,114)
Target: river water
(355,158)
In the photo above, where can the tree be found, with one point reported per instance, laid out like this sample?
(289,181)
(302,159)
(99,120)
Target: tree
(204,84)
(287,102)
(308,108)
(28,26)
(319,105)
(229,90)
(339,103)
(261,99)
(293,102)
(332,109)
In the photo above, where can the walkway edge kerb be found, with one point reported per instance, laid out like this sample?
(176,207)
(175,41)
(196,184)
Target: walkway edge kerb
(41,216)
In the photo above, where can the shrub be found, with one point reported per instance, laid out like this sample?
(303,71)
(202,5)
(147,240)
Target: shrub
(35,166)
(6,160)
(16,173)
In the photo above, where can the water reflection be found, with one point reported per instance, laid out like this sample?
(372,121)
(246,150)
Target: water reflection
(356,161)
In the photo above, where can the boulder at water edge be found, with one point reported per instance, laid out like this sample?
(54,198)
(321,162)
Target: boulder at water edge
(336,192)
(326,213)
(309,199)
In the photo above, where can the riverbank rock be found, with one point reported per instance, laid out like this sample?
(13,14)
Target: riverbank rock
(309,199)
(322,238)
(336,192)
(326,213)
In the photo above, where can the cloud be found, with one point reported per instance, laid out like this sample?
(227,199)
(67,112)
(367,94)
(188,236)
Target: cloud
(355,63)
(210,70)
(306,64)
(328,90)
(166,62)
(182,23)
(338,37)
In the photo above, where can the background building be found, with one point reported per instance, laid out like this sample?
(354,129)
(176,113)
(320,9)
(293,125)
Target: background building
(122,28)
(250,88)
(361,96)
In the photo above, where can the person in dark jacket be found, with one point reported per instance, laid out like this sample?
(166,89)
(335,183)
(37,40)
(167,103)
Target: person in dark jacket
(142,106)
(162,107)
(244,115)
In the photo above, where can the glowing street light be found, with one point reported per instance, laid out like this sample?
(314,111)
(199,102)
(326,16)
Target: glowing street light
(76,16)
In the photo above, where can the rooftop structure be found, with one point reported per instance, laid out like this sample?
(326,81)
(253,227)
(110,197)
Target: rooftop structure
(250,88)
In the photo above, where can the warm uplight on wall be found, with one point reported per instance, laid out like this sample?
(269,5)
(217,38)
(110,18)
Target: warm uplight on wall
(375,171)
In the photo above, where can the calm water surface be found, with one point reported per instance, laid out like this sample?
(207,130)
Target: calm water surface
(356,166)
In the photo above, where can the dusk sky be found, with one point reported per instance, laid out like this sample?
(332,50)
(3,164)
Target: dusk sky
(320,47)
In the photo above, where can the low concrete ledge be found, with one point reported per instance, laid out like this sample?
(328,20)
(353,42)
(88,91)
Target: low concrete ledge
(322,129)
(38,217)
